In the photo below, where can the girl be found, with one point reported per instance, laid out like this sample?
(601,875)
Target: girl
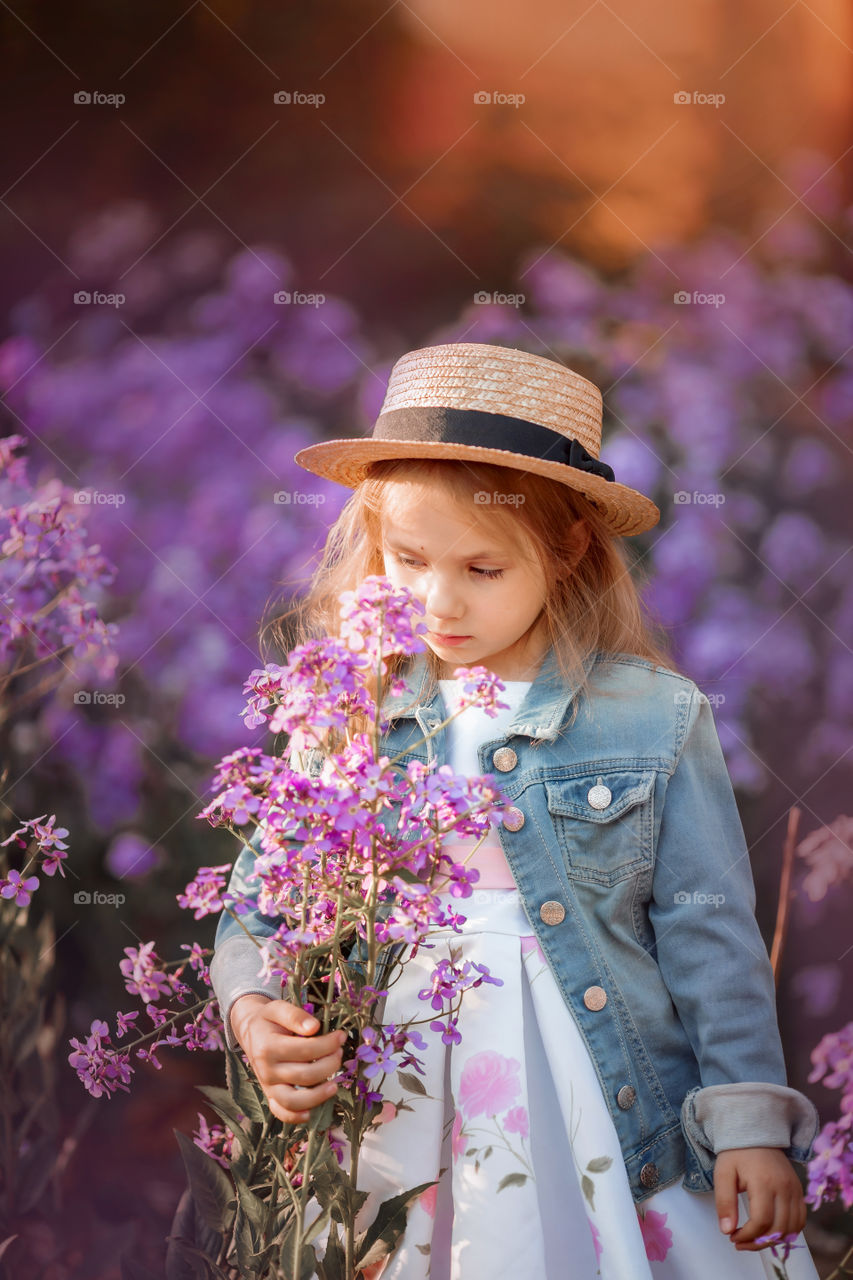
(618,1107)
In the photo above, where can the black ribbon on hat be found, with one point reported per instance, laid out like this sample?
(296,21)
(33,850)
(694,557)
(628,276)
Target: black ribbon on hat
(480,429)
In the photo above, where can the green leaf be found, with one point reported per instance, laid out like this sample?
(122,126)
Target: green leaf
(331,1267)
(588,1188)
(210,1186)
(317,1227)
(245,1093)
(322,1117)
(512,1180)
(487,1153)
(253,1207)
(248,1245)
(384,1232)
(472,1151)
(424,1249)
(599,1164)
(413,1083)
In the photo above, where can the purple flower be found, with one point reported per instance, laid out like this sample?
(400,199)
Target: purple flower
(21,890)
(203,894)
(101,1070)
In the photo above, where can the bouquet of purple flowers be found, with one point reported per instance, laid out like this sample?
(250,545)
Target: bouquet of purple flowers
(350,868)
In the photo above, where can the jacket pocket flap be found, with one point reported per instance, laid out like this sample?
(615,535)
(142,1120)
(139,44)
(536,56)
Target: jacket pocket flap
(601,796)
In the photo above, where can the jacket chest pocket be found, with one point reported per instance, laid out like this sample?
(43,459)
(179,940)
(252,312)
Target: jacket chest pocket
(603,822)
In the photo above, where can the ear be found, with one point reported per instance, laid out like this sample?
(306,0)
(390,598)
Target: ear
(578,539)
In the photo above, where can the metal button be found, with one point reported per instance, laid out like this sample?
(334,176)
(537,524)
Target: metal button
(552,912)
(599,796)
(626,1097)
(504,759)
(649,1175)
(595,998)
(514,819)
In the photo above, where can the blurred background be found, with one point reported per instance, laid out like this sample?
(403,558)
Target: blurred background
(221,224)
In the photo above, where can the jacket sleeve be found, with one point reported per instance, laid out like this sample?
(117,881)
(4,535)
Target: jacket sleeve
(236,965)
(714,961)
(235,969)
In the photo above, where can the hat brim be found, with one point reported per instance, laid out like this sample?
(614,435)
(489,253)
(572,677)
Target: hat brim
(626,511)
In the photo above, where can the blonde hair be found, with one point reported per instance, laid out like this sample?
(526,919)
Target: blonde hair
(592,605)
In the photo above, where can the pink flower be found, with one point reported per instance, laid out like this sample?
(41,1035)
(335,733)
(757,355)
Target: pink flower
(515,1121)
(656,1235)
(458,1140)
(596,1240)
(388,1112)
(489,1083)
(428,1198)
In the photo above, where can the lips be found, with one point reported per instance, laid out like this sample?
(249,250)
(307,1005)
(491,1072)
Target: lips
(440,635)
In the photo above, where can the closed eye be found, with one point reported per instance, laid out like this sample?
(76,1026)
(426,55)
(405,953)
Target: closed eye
(481,573)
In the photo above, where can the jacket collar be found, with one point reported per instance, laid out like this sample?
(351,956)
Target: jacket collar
(539,715)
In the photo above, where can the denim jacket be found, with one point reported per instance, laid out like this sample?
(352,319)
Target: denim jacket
(626,844)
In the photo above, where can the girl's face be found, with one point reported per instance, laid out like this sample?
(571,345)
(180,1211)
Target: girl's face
(473,584)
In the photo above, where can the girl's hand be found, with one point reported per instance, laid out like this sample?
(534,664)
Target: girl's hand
(281,1042)
(776,1201)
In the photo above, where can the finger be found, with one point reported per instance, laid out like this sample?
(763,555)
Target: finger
(760,1221)
(292,1018)
(301,1100)
(285,1047)
(305,1073)
(725,1195)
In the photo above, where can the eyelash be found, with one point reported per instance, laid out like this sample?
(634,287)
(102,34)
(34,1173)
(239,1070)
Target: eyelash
(481,573)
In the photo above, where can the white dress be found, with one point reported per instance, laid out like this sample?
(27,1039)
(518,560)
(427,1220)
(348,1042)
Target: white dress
(513,1123)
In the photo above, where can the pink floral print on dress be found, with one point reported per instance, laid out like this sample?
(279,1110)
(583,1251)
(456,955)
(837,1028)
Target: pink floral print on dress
(489,1083)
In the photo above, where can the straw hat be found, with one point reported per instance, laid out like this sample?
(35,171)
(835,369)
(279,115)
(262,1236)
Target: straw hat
(483,403)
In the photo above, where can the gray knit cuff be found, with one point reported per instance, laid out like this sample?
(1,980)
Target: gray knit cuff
(234,972)
(721,1117)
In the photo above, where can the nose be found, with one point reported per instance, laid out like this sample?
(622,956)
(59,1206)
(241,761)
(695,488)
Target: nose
(442,600)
